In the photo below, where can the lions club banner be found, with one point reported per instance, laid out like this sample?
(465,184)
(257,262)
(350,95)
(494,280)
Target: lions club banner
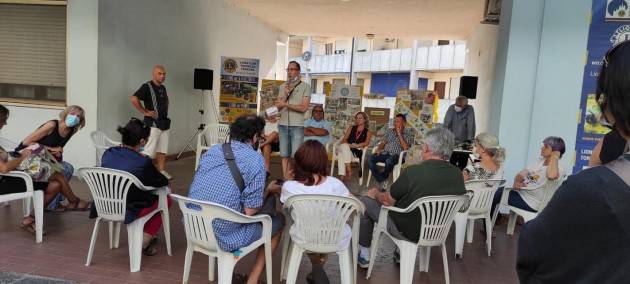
(610,25)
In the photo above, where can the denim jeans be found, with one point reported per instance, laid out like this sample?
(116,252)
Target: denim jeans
(291,137)
(68,171)
(390,162)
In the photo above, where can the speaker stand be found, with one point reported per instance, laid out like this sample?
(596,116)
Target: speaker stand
(198,131)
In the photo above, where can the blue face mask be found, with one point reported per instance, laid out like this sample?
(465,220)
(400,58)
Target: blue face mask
(141,149)
(72,120)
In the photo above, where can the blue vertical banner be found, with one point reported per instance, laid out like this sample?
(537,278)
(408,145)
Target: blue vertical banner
(610,25)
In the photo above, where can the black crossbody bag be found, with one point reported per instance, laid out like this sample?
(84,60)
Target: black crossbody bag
(160,123)
(231,162)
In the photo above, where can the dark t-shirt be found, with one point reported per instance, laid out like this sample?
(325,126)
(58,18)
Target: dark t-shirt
(144,94)
(582,236)
(429,178)
(613,146)
(125,159)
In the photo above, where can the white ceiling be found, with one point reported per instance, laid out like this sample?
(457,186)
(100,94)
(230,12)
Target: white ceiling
(422,19)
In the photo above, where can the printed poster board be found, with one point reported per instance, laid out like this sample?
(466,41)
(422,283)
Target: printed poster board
(341,106)
(239,87)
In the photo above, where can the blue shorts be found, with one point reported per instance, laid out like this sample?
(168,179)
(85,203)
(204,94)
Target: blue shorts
(291,137)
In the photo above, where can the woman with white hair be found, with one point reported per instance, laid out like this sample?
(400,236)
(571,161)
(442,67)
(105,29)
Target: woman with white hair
(53,135)
(491,156)
(532,178)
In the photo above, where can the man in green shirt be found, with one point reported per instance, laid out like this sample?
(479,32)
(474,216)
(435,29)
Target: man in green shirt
(433,176)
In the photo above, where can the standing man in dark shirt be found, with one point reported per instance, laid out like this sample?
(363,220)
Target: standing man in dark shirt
(153,93)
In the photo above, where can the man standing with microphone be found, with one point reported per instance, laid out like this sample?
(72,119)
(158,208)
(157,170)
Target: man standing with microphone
(292,103)
(155,101)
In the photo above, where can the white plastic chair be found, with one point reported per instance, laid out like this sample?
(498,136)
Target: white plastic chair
(200,237)
(360,161)
(437,213)
(320,219)
(109,189)
(395,173)
(9,145)
(549,188)
(214,133)
(479,208)
(36,195)
(101,143)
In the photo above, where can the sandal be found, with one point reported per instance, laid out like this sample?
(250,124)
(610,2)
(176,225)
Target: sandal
(150,250)
(76,202)
(59,209)
(238,278)
(30,226)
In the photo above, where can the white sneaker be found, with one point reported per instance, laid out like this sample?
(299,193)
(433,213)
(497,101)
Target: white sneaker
(165,174)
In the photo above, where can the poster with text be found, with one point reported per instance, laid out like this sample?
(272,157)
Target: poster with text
(341,106)
(239,86)
(610,25)
(379,122)
(419,116)
(269,92)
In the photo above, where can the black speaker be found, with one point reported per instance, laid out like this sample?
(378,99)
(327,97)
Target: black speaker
(468,87)
(203,79)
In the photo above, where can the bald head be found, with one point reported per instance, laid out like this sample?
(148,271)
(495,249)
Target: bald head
(159,74)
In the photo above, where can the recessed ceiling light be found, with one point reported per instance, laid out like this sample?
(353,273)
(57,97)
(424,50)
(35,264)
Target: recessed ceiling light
(344,0)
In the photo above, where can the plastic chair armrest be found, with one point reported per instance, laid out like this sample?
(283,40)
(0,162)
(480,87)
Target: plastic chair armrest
(401,156)
(18,174)
(399,210)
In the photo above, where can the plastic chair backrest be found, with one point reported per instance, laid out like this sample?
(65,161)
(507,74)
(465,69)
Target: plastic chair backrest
(483,194)
(214,133)
(109,189)
(7,144)
(101,143)
(437,213)
(549,190)
(320,219)
(198,221)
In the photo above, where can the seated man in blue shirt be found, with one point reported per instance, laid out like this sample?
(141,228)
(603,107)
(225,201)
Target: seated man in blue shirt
(316,127)
(214,182)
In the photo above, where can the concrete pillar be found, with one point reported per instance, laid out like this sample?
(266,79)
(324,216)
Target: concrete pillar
(309,47)
(413,75)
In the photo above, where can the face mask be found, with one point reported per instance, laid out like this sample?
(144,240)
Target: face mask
(458,109)
(476,156)
(141,149)
(72,120)
(604,122)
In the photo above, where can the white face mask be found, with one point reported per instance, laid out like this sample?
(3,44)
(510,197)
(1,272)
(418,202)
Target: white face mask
(603,121)
(458,109)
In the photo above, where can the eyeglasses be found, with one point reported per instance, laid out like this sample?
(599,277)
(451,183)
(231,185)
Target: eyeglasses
(316,110)
(292,69)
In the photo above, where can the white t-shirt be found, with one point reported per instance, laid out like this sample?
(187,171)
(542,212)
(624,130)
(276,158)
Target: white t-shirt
(270,127)
(534,182)
(330,186)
